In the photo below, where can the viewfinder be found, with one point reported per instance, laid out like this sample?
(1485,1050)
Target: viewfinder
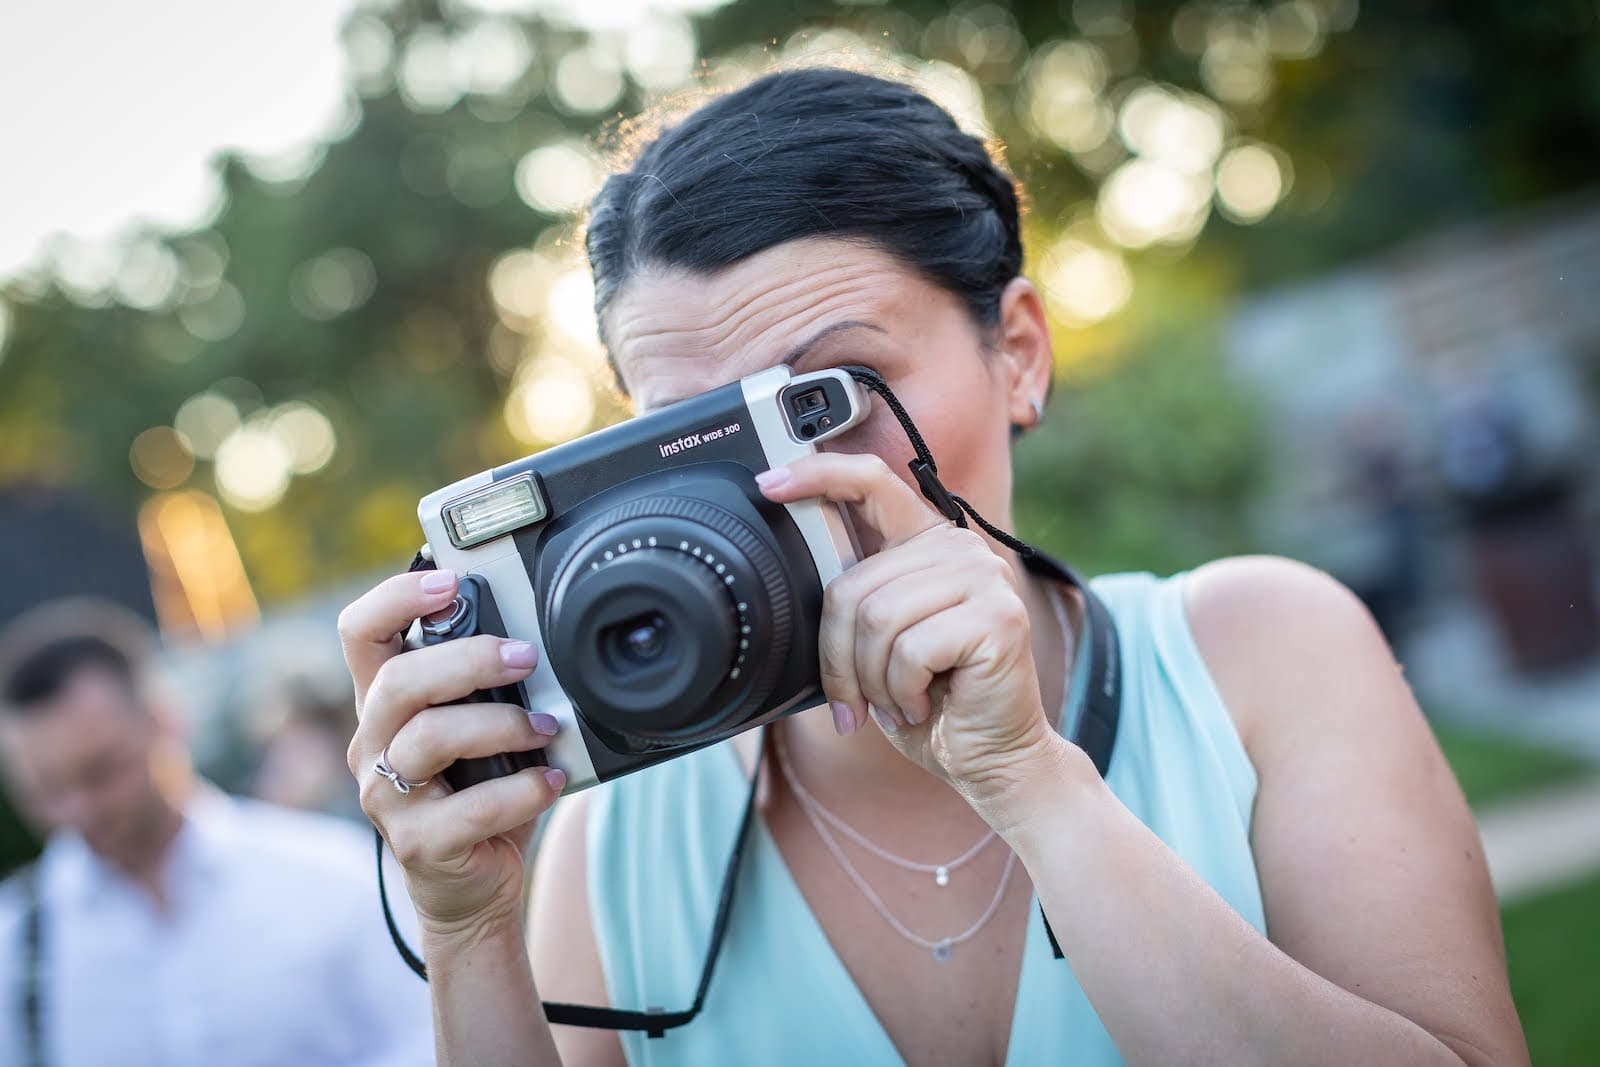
(810,401)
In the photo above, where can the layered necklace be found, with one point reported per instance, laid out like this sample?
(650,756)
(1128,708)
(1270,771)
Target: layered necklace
(826,822)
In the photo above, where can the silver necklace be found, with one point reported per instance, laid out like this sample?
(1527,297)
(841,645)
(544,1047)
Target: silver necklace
(819,817)
(813,807)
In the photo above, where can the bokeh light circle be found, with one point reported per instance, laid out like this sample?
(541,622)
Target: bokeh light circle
(554,402)
(1251,180)
(161,457)
(253,468)
(558,178)
(206,420)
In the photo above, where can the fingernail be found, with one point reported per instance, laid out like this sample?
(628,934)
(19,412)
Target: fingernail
(556,777)
(438,581)
(518,654)
(544,723)
(885,721)
(844,720)
(776,478)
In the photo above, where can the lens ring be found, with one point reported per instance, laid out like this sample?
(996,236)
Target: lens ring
(750,571)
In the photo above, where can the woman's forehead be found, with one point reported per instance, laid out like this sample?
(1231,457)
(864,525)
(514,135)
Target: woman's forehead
(674,333)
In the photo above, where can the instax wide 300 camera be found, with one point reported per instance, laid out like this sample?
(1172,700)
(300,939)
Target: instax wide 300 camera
(674,604)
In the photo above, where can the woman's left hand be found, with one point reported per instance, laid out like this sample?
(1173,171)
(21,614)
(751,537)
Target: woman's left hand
(932,630)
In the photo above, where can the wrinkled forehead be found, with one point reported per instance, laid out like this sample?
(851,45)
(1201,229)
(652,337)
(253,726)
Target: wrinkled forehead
(674,333)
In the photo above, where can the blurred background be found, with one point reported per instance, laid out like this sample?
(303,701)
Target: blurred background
(1325,279)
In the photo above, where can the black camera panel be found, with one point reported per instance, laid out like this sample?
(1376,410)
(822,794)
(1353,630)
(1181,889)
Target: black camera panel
(475,612)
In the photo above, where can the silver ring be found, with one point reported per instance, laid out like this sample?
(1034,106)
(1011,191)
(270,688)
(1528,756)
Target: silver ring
(405,785)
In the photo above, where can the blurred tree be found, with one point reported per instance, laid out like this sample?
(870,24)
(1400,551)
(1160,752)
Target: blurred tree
(401,307)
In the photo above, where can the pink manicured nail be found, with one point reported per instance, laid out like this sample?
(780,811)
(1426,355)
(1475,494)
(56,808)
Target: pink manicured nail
(543,723)
(776,478)
(844,720)
(519,654)
(435,582)
(885,721)
(556,777)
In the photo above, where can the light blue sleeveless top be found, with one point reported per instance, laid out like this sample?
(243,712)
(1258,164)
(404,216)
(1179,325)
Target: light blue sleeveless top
(658,844)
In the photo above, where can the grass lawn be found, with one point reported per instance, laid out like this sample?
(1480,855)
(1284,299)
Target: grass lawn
(1491,767)
(1553,946)
(1552,940)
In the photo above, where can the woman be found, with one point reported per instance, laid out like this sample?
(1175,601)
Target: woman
(1277,868)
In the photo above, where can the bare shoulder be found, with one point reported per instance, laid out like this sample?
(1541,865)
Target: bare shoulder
(1268,627)
(566,960)
(1370,867)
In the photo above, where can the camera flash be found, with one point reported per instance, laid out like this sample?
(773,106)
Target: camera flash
(487,513)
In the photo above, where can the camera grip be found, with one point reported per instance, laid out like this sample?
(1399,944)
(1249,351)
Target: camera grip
(474,612)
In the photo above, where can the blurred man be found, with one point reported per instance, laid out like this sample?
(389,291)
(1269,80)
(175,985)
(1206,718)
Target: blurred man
(167,923)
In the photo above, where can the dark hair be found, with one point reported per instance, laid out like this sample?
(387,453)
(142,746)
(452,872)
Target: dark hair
(813,153)
(44,650)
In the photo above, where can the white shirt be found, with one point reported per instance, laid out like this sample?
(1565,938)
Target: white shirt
(273,951)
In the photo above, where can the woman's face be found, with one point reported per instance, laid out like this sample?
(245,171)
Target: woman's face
(820,303)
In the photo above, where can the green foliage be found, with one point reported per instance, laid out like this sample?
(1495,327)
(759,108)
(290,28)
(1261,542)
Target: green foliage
(1150,465)
(17,842)
(1405,121)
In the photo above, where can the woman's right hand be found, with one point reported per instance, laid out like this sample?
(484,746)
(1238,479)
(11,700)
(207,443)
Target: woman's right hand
(461,852)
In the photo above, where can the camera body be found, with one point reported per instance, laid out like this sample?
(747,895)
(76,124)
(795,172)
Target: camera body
(673,604)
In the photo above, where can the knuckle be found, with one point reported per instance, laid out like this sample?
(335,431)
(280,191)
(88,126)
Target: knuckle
(910,652)
(966,539)
(835,677)
(840,592)
(485,649)
(349,617)
(479,810)
(389,677)
(512,723)
(425,734)
(873,465)
(408,848)
(1011,613)
(875,615)
(368,790)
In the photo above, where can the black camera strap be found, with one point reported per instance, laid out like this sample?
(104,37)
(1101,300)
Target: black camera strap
(30,1000)
(1093,727)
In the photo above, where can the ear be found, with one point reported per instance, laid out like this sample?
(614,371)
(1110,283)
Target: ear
(1027,354)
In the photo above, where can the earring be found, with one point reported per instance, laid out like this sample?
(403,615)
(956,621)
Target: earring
(1038,410)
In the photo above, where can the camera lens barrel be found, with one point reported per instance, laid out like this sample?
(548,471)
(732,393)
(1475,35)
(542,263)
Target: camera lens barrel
(669,621)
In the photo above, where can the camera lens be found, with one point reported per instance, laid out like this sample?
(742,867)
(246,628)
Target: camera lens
(636,641)
(668,620)
(644,642)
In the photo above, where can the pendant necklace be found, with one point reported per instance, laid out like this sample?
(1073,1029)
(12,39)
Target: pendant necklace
(825,821)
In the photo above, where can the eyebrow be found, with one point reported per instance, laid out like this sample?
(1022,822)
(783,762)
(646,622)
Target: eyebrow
(796,353)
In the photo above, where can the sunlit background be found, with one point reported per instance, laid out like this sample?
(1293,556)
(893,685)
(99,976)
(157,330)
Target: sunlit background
(1324,279)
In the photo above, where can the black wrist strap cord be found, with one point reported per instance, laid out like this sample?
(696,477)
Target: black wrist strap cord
(654,1022)
(1093,728)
